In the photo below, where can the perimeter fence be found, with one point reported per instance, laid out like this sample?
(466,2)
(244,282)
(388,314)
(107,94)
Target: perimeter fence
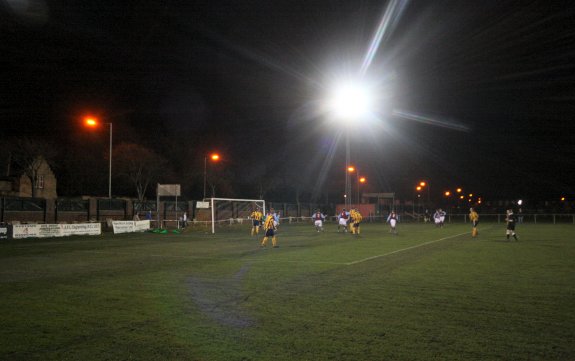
(74,210)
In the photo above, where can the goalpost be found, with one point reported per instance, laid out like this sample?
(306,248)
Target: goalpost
(230,209)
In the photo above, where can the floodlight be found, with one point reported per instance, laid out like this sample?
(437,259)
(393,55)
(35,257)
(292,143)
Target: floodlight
(350,101)
(520,202)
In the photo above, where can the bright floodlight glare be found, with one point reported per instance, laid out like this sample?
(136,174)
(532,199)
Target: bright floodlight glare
(350,101)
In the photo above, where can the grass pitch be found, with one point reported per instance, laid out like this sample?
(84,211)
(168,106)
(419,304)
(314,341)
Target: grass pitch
(425,294)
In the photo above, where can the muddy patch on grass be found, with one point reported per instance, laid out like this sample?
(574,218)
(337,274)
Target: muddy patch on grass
(222,299)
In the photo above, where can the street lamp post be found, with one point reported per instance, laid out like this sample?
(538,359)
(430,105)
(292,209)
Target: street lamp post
(349,101)
(214,157)
(92,123)
(424,184)
(348,196)
(205,174)
(359,180)
(347,177)
(110,166)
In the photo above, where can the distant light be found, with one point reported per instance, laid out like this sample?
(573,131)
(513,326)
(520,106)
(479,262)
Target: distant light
(459,190)
(562,199)
(362,180)
(520,202)
(447,193)
(351,169)
(418,188)
(215,157)
(471,194)
(423,184)
(469,200)
(461,197)
(479,201)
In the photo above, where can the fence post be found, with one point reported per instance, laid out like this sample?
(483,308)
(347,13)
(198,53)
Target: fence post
(535,217)
(49,210)
(94,208)
(553,218)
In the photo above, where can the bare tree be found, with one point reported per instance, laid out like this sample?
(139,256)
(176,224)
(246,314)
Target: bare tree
(29,154)
(140,165)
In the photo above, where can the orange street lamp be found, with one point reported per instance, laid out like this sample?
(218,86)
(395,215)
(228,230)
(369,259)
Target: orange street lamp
(348,186)
(461,197)
(93,122)
(425,184)
(215,157)
(459,190)
(90,122)
(447,193)
(562,199)
(359,180)
(418,188)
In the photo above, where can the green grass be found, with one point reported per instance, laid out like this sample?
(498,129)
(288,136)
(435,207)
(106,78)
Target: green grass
(427,294)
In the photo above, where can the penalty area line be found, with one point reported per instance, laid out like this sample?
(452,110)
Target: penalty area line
(404,249)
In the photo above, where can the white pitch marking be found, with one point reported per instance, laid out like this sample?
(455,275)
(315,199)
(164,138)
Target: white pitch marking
(404,249)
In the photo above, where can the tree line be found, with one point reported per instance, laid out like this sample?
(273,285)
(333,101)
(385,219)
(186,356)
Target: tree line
(81,166)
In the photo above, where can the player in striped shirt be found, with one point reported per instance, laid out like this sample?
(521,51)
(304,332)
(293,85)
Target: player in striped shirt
(256,217)
(356,218)
(270,228)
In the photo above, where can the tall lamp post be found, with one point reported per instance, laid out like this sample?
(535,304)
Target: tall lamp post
(425,184)
(92,122)
(360,180)
(214,157)
(348,103)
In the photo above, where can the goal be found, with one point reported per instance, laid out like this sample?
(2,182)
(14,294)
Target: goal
(229,211)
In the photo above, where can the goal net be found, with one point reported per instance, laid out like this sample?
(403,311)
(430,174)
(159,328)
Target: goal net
(229,212)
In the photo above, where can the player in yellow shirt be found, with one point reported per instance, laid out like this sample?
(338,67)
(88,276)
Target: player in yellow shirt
(356,218)
(474,218)
(256,217)
(270,228)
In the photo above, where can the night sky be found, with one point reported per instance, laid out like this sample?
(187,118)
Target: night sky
(494,81)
